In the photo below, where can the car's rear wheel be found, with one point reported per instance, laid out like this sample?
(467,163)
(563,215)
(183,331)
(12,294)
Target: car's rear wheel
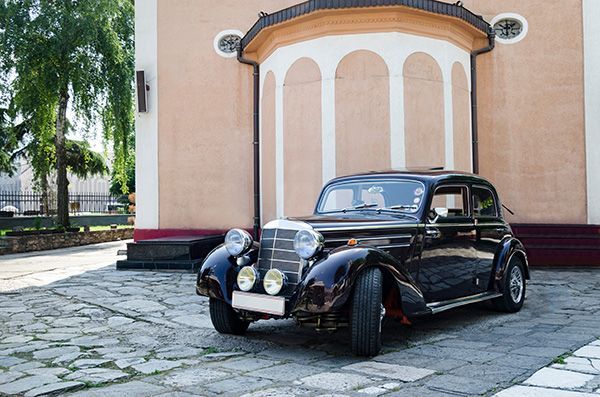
(225,319)
(367,313)
(513,295)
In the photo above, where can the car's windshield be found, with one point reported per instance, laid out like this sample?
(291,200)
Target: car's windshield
(374,194)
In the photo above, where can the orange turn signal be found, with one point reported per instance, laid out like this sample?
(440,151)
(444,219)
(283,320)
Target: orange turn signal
(352,242)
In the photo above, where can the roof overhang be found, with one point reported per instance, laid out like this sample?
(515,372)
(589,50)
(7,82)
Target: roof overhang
(315,18)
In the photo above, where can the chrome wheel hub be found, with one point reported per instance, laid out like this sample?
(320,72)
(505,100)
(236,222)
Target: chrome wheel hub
(516,284)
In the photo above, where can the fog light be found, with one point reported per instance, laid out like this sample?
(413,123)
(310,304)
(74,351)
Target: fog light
(274,281)
(246,278)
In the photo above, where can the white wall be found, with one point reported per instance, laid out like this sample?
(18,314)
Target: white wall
(146,124)
(591,51)
(327,52)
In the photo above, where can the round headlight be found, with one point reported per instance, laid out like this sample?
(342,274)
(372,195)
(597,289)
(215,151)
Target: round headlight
(308,243)
(246,278)
(237,242)
(274,281)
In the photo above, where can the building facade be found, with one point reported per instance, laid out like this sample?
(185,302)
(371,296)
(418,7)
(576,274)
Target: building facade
(350,86)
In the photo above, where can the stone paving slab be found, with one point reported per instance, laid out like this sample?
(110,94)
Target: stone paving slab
(54,388)
(558,378)
(524,391)
(558,381)
(148,334)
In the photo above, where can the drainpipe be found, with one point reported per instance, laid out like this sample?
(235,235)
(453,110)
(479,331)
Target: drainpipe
(255,139)
(474,131)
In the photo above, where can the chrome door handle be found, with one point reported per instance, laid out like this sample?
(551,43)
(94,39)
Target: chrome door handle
(433,233)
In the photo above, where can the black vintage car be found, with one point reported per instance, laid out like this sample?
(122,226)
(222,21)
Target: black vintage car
(381,244)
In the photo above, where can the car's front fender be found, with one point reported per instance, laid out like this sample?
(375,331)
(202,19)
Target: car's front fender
(509,246)
(328,284)
(218,273)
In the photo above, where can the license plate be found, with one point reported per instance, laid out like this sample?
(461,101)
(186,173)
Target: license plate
(259,303)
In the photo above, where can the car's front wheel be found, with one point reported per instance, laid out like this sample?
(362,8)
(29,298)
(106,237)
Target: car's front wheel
(225,319)
(513,295)
(367,313)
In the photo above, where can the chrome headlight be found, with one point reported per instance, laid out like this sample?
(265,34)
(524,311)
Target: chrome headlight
(238,242)
(274,281)
(308,243)
(246,278)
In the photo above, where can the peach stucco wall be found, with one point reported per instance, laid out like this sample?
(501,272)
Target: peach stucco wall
(268,174)
(531,120)
(205,115)
(423,112)
(302,137)
(362,113)
(461,120)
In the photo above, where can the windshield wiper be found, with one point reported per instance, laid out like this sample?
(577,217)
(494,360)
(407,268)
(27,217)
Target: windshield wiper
(400,207)
(360,207)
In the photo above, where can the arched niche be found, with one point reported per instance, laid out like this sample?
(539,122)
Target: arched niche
(268,147)
(362,113)
(302,147)
(461,102)
(423,112)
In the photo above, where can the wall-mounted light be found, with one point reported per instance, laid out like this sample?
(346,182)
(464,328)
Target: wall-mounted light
(142,91)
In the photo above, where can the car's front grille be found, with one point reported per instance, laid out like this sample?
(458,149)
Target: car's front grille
(277,252)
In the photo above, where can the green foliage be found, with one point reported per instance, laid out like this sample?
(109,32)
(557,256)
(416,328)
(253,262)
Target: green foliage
(11,137)
(120,185)
(78,50)
(82,161)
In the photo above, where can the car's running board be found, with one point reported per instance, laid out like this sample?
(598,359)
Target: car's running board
(437,307)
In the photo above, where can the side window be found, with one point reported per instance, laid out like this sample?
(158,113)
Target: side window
(454,198)
(484,203)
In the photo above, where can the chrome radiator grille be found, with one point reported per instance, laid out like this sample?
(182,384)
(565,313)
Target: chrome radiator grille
(277,252)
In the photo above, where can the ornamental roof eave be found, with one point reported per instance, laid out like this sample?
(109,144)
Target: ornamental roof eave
(308,7)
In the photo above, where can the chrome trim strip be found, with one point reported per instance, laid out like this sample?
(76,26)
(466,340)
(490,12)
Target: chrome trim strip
(450,224)
(280,249)
(438,307)
(287,224)
(370,227)
(343,240)
(394,246)
(284,260)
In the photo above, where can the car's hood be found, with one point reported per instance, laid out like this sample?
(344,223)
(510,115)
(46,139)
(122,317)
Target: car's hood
(357,220)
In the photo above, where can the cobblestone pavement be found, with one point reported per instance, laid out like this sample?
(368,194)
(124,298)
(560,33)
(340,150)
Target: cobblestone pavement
(71,323)
(576,374)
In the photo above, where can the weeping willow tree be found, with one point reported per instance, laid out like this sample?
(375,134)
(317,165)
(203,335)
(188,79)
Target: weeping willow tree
(69,54)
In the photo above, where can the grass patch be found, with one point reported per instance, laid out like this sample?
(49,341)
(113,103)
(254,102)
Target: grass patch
(560,359)
(210,350)
(89,385)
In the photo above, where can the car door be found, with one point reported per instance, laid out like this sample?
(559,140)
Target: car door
(490,228)
(447,261)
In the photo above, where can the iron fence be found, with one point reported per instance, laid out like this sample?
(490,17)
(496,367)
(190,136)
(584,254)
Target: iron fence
(33,203)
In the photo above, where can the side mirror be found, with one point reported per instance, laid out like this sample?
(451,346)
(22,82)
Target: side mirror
(438,212)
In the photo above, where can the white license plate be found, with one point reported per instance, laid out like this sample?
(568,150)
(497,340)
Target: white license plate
(259,303)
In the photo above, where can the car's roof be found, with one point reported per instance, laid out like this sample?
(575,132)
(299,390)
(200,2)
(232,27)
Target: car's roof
(424,175)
